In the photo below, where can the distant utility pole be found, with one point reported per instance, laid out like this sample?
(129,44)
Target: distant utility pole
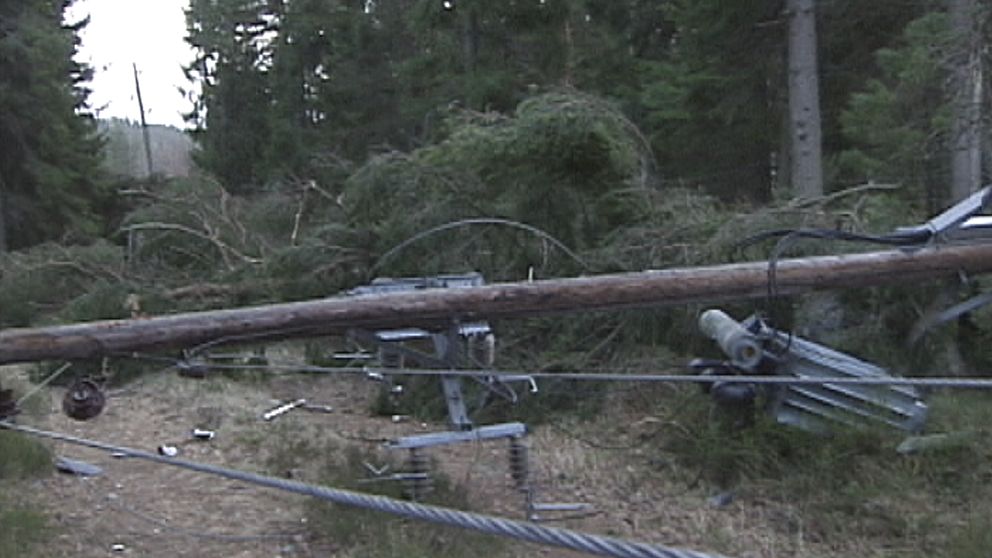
(144,124)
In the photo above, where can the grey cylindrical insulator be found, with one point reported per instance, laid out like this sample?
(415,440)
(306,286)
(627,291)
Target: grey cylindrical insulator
(519,463)
(736,341)
(418,484)
(482,349)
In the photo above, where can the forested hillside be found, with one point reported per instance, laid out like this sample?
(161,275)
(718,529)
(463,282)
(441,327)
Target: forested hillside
(125,155)
(342,140)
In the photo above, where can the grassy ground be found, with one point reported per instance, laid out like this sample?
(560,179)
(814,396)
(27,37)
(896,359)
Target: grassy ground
(650,462)
(23,524)
(852,490)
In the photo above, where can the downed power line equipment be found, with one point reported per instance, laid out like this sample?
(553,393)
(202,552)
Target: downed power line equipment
(753,347)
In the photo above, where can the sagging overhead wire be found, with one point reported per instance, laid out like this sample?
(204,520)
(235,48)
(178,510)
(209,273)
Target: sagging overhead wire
(530,532)
(953,220)
(479,221)
(788,238)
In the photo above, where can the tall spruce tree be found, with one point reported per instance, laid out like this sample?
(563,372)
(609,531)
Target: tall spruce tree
(334,89)
(714,102)
(50,182)
(233,43)
(902,125)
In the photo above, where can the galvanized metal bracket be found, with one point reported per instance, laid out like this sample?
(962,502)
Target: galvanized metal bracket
(959,222)
(450,345)
(433,439)
(817,406)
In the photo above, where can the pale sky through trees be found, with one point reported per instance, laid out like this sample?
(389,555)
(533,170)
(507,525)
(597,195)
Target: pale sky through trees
(149,33)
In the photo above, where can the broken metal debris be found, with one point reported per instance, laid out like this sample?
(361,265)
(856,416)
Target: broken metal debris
(534,510)
(475,344)
(84,399)
(471,341)
(202,434)
(433,439)
(376,471)
(301,403)
(282,409)
(755,348)
(76,467)
(317,408)
(538,512)
(960,222)
(168,451)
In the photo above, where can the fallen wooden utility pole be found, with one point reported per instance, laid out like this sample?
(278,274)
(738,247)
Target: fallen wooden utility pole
(505,300)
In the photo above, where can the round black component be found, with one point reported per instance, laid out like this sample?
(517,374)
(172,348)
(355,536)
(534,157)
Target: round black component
(84,400)
(733,394)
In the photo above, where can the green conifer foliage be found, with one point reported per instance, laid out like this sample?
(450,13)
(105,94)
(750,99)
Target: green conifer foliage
(49,152)
(899,123)
(233,40)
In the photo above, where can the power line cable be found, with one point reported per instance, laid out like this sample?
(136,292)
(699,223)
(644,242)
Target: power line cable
(530,532)
(932,381)
(480,221)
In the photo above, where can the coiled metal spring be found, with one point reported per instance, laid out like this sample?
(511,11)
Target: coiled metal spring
(417,482)
(519,463)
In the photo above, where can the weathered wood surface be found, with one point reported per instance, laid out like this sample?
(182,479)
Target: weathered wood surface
(503,300)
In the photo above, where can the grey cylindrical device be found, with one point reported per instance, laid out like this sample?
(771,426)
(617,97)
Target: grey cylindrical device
(736,341)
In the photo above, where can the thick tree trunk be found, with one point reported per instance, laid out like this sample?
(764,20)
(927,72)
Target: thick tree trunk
(440,307)
(966,131)
(804,101)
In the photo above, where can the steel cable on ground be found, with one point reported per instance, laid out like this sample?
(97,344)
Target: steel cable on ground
(530,532)
(929,381)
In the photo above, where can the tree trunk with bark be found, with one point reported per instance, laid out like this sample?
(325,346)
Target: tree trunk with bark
(966,130)
(804,101)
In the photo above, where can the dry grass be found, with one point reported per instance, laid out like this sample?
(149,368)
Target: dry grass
(649,463)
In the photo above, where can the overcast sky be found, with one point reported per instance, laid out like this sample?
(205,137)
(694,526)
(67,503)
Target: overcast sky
(148,33)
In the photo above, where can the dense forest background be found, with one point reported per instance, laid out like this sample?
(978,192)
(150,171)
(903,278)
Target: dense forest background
(340,140)
(336,141)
